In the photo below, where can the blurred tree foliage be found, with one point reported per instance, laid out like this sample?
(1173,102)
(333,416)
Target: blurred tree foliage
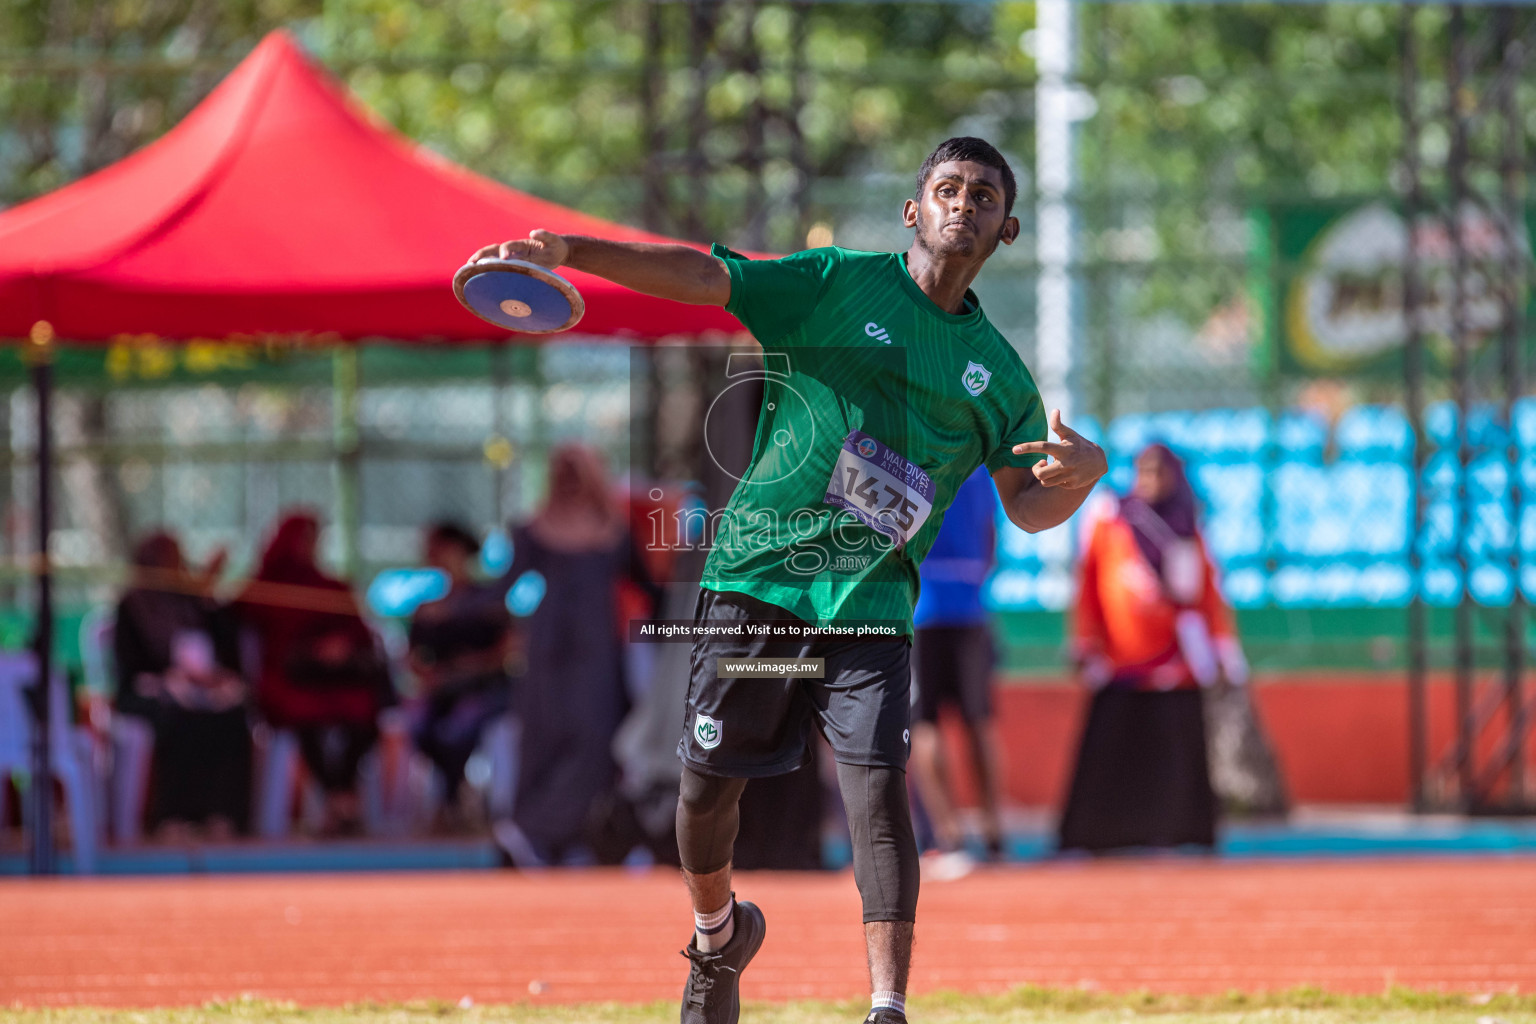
(748,120)
(1243,97)
(83,83)
(1203,110)
(707,119)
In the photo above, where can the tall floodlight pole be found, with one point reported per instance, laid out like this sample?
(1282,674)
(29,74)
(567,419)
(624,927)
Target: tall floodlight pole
(1056,103)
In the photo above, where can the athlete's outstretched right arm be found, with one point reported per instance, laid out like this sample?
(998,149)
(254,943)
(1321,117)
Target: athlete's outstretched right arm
(668,271)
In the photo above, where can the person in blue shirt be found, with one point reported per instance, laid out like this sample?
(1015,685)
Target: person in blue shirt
(952,661)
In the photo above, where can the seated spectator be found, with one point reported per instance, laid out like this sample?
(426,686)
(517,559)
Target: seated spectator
(459,648)
(320,673)
(176,662)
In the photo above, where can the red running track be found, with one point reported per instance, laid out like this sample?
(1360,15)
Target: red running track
(1174,926)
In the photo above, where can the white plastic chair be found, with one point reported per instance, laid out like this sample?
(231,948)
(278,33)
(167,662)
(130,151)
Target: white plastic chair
(279,767)
(382,810)
(279,763)
(132,738)
(133,751)
(18,672)
(500,742)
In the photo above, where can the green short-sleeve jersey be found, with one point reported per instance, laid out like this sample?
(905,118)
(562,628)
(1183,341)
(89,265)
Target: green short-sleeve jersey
(877,404)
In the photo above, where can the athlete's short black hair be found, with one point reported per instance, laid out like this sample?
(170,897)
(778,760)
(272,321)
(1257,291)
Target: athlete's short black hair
(968,147)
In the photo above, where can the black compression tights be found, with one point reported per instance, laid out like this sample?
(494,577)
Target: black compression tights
(707,821)
(885,861)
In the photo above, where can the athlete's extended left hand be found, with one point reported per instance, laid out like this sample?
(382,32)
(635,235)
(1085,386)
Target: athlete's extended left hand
(1074,462)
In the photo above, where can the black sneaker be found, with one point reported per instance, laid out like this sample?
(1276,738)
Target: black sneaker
(885,1017)
(713,994)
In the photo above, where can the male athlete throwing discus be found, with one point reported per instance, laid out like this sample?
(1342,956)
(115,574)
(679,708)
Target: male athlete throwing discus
(898,388)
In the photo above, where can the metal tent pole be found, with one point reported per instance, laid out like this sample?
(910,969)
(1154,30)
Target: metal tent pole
(347,456)
(40,356)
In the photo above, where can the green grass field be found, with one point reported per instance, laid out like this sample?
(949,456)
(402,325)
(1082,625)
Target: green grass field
(1024,1006)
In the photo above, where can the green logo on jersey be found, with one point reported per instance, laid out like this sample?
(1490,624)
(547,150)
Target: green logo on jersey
(975,378)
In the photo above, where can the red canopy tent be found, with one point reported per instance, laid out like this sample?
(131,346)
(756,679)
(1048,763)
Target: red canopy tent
(280,205)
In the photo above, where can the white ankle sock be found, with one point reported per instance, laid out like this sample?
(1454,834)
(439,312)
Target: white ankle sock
(714,930)
(888,1001)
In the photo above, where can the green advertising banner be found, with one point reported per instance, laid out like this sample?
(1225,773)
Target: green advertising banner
(1329,281)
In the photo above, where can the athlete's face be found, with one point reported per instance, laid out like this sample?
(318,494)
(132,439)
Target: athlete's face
(960,212)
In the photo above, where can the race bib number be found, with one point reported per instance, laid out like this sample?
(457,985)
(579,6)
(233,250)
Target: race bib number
(884,490)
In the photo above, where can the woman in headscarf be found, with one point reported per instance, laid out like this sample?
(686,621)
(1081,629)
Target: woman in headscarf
(176,664)
(569,565)
(321,673)
(1151,628)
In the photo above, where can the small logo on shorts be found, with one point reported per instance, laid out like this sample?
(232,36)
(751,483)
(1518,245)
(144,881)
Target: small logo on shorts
(707,731)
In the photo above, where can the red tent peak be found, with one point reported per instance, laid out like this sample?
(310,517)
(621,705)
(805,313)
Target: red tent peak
(280,204)
(99,216)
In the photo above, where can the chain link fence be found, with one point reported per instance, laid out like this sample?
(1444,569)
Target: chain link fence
(777,126)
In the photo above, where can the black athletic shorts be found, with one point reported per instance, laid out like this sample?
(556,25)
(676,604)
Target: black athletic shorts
(750,728)
(953,664)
